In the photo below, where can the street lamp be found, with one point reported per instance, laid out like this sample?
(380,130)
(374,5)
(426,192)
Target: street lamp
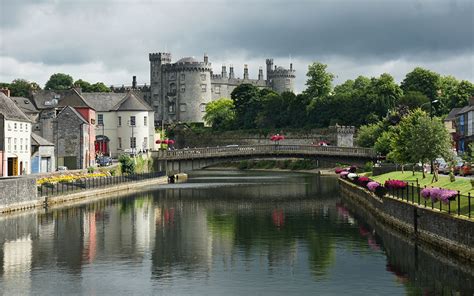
(431,102)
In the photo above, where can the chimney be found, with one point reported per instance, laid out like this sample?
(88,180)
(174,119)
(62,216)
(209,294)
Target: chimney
(246,72)
(206,58)
(471,101)
(260,73)
(224,72)
(231,72)
(134,82)
(291,66)
(6,91)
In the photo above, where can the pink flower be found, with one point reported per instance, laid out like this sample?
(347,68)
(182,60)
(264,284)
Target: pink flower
(395,184)
(373,185)
(344,174)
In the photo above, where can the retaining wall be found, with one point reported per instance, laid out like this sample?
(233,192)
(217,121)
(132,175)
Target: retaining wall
(448,234)
(17,192)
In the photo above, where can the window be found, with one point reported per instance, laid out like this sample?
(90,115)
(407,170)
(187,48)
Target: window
(183,88)
(21,144)
(21,126)
(9,127)
(217,89)
(145,142)
(133,142)
(119,143)
(171,108)
(100,119)
(172,88)
(14,126)
(14,144)
(26,144)
(120,121)
(26,127)
(203,77)
(145,121)
(287,81)
(182,77)
(9,144)
(203,87)
(172,76)
(182,107)
(132,120)
(203,107)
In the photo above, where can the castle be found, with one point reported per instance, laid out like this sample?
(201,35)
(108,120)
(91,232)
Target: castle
(179,91)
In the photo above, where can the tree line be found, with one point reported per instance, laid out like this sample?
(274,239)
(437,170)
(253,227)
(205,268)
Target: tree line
(358,102)
(58,81)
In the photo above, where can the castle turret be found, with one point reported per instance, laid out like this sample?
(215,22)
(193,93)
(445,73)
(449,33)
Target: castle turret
(260,73)
(280,79)
(157,61)
(246,72)
(231,72)
(224,72)
(206,59)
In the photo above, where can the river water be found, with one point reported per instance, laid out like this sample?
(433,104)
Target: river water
(221,233)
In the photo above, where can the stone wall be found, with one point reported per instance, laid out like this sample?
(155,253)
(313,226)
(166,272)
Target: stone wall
(448,234)
(18,191)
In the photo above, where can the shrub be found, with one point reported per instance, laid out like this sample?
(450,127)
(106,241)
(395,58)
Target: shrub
(372,186)
(90,170)
(127,164)
(368,167)
(363,180)
(344,174)
(439,194)
(395,184)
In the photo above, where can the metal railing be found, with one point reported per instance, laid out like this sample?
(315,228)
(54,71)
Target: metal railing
(265,150)
(460,206)
(63,188)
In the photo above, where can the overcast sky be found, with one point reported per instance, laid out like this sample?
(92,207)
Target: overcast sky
(109,40)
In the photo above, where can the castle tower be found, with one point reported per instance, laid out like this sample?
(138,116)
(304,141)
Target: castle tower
(224,72)
(280,79)
(260,73)
(231,72)
(246,72)
(157,62)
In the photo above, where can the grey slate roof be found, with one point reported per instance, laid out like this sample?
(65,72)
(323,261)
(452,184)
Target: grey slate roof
(10,110)
(452,114)
(105,102)
(465,109)
(25,104)
(132,102)
(37,140)
(46,99)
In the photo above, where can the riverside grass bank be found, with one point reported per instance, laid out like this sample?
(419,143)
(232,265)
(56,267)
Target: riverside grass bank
(451,234)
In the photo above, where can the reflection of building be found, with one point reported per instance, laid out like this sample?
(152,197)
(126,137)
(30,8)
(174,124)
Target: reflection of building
(17,257)
(15,135)
(124,122)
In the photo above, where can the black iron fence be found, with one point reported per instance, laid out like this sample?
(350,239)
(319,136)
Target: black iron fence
(62,188)
(460,205)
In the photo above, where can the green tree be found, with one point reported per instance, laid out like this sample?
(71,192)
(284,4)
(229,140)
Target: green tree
(420,138)
(422,80)
(319,83)
(247,102)
(100,87)
(367,135)
(273,112)
(220,114)
(413,100)
(84,85)
(22,88)
(59,81)
(382,144)
(385,94)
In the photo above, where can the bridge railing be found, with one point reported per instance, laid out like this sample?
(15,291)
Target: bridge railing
(265,149)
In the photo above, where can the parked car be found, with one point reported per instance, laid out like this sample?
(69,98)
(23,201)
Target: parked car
(62,168)
(104,161)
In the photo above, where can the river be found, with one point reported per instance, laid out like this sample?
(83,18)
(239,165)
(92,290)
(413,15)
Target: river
(221,233)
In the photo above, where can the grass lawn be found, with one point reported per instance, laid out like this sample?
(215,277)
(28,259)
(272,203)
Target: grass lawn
(461,184)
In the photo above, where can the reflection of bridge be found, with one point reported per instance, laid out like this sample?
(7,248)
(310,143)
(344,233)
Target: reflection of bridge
(196,158)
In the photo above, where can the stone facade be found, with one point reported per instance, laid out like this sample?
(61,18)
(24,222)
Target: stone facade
(180,91)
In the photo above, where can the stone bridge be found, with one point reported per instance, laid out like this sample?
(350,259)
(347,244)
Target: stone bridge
(183,160)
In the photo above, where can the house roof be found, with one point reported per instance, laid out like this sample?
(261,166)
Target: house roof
(47,99)
(75,112)
(465,109)
(37,140)
(10,110)
(103,102)
(132,102)
(452,114)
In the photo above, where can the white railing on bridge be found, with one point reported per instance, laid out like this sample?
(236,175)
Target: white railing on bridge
(256,150)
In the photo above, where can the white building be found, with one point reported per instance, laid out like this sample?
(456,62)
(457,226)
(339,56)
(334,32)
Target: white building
(15,138)
(124,122)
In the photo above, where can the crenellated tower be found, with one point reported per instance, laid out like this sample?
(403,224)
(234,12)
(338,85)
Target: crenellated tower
(280,79)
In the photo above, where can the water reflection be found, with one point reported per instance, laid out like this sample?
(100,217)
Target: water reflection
(290,234)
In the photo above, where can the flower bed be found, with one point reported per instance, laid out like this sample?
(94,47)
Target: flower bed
(69,178)
(439,194)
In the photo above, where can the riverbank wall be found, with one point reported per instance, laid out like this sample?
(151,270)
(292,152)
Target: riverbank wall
(21,193)
(453,236)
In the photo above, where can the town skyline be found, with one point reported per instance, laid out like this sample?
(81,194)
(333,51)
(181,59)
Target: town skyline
(352,39)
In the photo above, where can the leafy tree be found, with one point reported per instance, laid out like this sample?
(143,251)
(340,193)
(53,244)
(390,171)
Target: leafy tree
(422,80)
(385,93)
(420,138)
(319,83)
(22,88)
(59,81)
(220,114)
(413,100)
(247,104)
(273,113)
(100,87)
(84,85)
(382,144)
(368,134)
